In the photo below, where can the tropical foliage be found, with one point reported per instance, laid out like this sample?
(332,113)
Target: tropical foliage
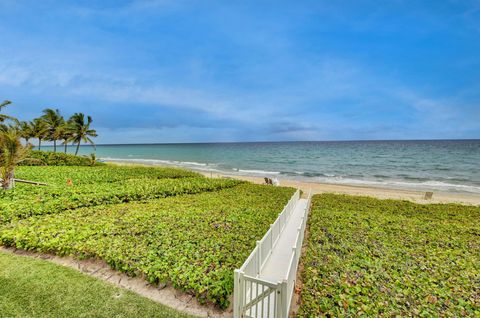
(51,126)
(48,158)
(386,258)
(191,241)
(80,130)
(12,152)
(54,123)
(4,117)
(74,187)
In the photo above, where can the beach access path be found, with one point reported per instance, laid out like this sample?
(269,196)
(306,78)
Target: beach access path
(264,285)
(276,266)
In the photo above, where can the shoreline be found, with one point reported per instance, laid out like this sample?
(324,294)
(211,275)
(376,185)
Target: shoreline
(416,196)
(376,192)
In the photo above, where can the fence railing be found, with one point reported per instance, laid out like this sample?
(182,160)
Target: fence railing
(256,297)
(296,254)
(254,263)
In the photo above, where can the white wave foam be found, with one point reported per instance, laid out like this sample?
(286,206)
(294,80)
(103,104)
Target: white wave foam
(426,185)
(327,178)
(194,163)
(257,172)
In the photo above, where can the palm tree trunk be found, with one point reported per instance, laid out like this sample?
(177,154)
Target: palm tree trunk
(39,143)
(65,146)
(54,145)
(78,146)
(8,182)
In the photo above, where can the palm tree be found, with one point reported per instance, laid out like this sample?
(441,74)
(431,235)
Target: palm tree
(5,117)
(25,129)
(80,130)
(65,134)
(12,152)
(53,121)
(39,130)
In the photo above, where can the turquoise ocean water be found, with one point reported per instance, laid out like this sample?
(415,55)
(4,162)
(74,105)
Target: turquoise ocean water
(452,166)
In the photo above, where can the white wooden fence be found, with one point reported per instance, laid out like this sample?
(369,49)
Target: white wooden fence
(257,297)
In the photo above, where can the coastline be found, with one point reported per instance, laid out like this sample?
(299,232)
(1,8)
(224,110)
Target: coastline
(360,190)
(376,192)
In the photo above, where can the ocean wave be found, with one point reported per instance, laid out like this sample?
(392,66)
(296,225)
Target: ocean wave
(404,181)
(424,185)
(192,163)
(256,172)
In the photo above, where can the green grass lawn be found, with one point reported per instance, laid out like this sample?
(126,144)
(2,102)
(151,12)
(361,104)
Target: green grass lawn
(387,258)
(38,288)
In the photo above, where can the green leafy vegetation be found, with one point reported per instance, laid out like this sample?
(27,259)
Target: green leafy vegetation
(387,258)
(58,176)
(192,241)
(75,187)
(48,158)
(37,288)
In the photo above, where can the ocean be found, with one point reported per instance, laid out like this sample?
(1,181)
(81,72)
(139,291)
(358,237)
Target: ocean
(445,165)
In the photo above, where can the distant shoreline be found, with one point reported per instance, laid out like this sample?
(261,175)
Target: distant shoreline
(318,187)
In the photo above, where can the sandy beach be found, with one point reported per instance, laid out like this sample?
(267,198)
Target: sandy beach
(381,193)
(376,192)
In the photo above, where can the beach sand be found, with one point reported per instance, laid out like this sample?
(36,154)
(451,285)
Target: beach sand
(381,193)
(376,192)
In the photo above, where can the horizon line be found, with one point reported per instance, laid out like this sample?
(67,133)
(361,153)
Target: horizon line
(269,142)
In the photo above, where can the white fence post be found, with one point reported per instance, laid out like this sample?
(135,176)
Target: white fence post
(237,293)
(259,258)
(284,300)
(271,238)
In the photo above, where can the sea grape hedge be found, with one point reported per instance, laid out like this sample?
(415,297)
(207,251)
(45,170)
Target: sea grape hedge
(48,200)
(386,258)
(74,187)
(193,242)
(58,176)
(48,158)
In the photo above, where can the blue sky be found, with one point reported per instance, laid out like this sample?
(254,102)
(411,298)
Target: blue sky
(193,71)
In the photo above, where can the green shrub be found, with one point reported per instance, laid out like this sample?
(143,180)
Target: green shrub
(75,187)
(58,175)
(387,258)
(48,158)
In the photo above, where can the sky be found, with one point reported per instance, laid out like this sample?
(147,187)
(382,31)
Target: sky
(159,71)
